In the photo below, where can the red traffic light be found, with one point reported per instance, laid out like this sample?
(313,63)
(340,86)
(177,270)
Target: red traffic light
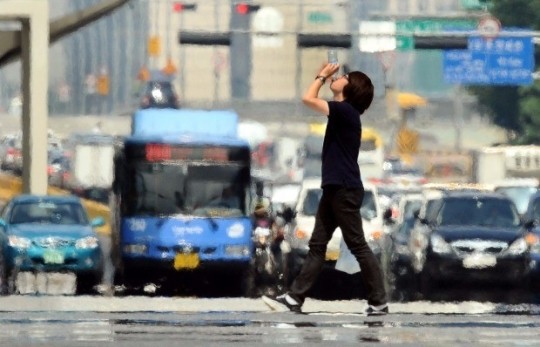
(243,8)
(179,6)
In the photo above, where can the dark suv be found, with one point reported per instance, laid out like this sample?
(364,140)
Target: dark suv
(472,236)
(159,94)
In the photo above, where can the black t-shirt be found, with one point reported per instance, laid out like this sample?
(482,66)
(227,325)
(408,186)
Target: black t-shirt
(341,146)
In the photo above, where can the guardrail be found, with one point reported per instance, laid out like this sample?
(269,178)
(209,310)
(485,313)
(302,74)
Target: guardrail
(12,185)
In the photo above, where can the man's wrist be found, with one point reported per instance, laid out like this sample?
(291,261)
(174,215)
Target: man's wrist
(321,78)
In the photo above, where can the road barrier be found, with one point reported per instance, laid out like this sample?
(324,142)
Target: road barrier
(12,185)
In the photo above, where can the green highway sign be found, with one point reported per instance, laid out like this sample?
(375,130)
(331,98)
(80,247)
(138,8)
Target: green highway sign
(319,17)
(476,4)
(406,28)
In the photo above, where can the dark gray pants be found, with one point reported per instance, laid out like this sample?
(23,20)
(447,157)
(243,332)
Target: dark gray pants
(340,206)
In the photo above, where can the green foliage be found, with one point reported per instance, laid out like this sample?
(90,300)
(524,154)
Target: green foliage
(529,114)
(516,109)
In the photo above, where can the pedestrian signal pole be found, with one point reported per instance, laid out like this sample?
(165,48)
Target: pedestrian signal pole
(240,52)
(180,8)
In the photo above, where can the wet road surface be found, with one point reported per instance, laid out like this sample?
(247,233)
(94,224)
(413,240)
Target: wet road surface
(144,321)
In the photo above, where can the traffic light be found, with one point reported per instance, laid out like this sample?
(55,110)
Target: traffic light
(323,40)
(345,41)
(179,6)
(244,8)
(205,38)
(440,42)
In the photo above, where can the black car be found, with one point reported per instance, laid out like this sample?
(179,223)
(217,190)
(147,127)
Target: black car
(532,223)
(471,237)
(159,94)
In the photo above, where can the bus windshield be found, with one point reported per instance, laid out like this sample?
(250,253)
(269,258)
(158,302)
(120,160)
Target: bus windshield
(187,188)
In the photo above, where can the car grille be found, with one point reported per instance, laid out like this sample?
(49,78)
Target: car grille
(484,246)
(54,242)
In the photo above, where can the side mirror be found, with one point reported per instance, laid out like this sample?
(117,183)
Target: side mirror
(97,222)
(529,224)
(387,216)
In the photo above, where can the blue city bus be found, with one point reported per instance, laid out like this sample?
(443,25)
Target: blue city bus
(182,197)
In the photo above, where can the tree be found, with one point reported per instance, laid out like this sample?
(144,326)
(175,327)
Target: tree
(516,109)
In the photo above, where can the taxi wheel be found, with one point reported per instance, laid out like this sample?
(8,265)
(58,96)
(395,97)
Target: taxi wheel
(4,277)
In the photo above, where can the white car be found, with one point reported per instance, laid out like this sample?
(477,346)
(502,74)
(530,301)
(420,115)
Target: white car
(306,209)
(285,195)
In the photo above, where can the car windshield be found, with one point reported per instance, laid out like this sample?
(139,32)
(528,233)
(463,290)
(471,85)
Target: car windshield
(47,212)
(519,195)
(534,209)
(478,211)
(311,201)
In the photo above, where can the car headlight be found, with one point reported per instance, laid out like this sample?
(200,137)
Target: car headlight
(439,245)
(19,242)
(517,247)
(299,239)
(534,242)
(87,242)
(375,235)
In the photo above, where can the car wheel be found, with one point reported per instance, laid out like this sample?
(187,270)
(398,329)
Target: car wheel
(87,283)
(4,276)
(426,285)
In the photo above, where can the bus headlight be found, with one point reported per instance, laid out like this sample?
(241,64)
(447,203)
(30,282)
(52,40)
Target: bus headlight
(235,231)
(237,250)
(135,249)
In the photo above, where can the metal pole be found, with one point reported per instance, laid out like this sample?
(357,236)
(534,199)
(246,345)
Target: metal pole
(217,71)
(156,29)
(182,62)
(240,54)
(168,28)
(458,117)
(298,66)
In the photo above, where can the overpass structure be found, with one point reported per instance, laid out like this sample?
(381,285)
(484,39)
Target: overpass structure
(30,44)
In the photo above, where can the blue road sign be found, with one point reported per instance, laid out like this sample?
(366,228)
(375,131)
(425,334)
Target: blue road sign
(504,60)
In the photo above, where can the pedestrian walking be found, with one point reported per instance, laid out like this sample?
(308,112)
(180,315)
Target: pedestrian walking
(342,187)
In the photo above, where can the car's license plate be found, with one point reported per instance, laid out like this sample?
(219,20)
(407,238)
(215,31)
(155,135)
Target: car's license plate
(186,261)
(53,257)
(479,261)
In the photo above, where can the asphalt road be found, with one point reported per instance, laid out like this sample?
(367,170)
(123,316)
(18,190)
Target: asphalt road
(143,321)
